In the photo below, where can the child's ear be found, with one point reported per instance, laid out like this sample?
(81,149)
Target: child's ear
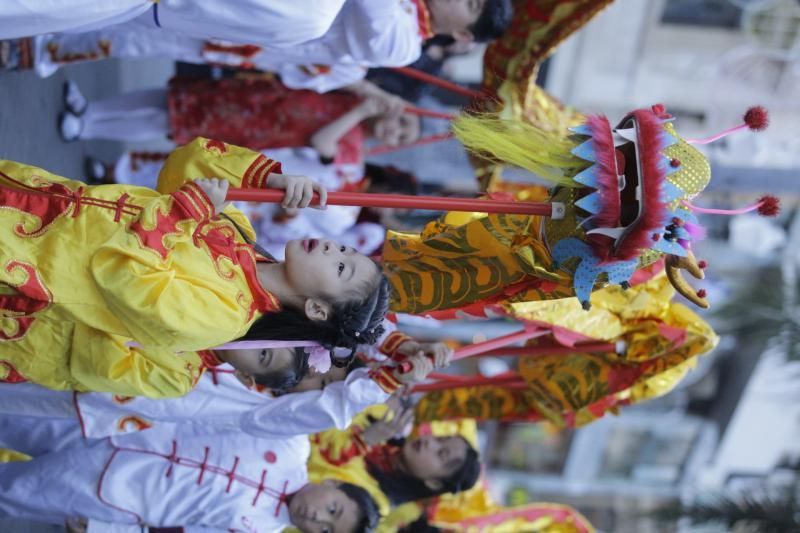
(245,379)
(317,309)
(463,36)
(434,484)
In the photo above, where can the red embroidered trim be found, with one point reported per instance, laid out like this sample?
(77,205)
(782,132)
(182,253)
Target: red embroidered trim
(424,19)
(78,412)
(232,474)
(261,487)
(174,459)
(30,297)
(100,485)
(188,202)
(13,375)
(255,177)
(385,378)
(203,466)
(392,343)
(120,206)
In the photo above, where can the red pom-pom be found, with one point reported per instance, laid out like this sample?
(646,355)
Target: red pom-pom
(701,293)
(757,118)
(656,237)
(675,163)
(702,265)
(769,206)
(659,109)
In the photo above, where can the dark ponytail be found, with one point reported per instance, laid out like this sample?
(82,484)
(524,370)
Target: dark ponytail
(349,324)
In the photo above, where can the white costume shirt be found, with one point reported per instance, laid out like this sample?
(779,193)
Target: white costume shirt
(219,402)
(366,33)
(279,23)
(171,476)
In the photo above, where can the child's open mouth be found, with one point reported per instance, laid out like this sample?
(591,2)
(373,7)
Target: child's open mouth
(310,244)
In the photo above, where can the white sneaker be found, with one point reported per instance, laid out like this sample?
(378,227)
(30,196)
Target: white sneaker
(74,99)
(41,58)
(70,126)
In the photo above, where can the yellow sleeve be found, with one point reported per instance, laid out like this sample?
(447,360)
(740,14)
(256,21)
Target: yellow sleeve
(340,446)
(103,363)
(207,158)
(163,287)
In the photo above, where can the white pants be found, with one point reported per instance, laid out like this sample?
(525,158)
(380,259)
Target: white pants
(35,420)
(57,485)
(23,18)
(131,39)
(135,116)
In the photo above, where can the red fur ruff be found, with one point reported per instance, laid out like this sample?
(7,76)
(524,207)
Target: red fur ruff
(638,236)
(757,118)
(769,206)
(606,173)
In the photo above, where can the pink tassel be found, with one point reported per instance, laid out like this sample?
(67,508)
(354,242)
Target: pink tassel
(756,119)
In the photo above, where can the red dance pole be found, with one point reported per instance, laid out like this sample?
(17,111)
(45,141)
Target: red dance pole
(507,382)
(435,203)
(551,349)
(430,139)
(421,111)
(478,348)
(439,82)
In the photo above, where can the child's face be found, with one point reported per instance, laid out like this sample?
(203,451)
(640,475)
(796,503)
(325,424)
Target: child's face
(317,381)
(451,17)
(430,457)
(259,361)
(323,508)
(396,130)
(325,270)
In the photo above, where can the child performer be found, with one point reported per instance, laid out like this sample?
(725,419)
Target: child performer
(180,474)
(279,23)
(223,399)
(365,34)
(91,268)
(259,114)
(403,471)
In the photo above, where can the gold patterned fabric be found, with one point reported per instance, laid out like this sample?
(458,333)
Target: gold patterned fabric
(462,259)
(662,337)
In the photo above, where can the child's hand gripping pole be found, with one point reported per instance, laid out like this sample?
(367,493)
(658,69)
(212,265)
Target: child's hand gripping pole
(554,210)
(529,332)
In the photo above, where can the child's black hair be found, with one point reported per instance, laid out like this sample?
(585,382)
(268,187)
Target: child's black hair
(401,488)
(420,525)
(493,21)
(349,324)
(386,178)
(287,377)
(365,503)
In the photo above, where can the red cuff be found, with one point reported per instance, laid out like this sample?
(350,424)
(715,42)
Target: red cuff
(392,343)
(385,378)
(255,177)
(192,202)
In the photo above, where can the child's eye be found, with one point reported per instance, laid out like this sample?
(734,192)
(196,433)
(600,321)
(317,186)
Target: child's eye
(341,268)
(343,249)
(261,356)
(332,508)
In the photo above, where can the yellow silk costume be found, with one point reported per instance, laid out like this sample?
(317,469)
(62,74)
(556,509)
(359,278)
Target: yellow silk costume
(332,457)
(662,340)
(86,269)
